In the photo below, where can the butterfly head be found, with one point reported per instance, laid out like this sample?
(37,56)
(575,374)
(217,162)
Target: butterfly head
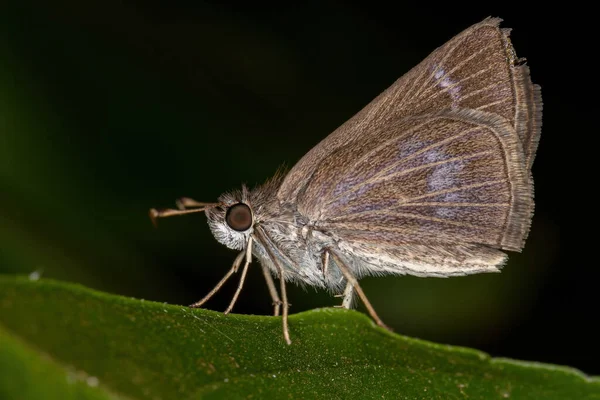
(232,221)
(233,218)
(240,211)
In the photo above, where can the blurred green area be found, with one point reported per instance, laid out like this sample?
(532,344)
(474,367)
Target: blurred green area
(109,108)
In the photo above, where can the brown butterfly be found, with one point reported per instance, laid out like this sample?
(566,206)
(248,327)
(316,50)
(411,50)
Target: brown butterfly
(432,178)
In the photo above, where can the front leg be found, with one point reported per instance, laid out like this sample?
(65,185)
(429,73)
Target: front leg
(272,290)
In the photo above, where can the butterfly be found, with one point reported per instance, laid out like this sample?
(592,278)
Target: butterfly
(432,178)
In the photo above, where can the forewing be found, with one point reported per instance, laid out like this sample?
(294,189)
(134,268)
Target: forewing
(477,69)
(451,177)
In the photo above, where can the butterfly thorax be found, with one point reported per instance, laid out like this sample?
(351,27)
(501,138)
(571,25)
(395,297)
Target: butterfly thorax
(292,238)
(277,228)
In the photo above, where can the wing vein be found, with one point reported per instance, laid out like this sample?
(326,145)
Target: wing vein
(476,92)
(493,103)
(403,159)
(453,204)
(424,166)
(437,67)
(455,189)
(452,86)
(410,216)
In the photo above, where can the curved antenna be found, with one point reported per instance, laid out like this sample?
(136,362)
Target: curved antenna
(186,202)
(169,212)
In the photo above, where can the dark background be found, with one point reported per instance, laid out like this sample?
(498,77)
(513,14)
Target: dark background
(108,108)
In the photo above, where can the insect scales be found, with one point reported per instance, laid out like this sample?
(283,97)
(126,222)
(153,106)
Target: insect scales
(432,179)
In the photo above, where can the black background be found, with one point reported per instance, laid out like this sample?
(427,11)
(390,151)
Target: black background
(109,108)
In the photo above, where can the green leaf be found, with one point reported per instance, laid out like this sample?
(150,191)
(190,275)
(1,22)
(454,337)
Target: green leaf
(27,374)
(66,340)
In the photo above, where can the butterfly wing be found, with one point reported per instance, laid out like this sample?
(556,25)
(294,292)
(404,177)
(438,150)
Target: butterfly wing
(448,188)
(434,175)
(455,175)
(477,69)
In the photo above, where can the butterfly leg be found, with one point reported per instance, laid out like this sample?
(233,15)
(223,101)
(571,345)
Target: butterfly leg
(272,290)
(286,306)
(354,282)
(236,264)
(243,277)
(348,296)
(263,237)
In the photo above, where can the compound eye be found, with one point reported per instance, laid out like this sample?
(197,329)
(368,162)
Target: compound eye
(239,217)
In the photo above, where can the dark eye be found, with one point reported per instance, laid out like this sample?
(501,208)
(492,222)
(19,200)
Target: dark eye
(239,217)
